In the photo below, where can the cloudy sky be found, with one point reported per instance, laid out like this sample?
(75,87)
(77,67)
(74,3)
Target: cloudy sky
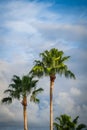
(30,27)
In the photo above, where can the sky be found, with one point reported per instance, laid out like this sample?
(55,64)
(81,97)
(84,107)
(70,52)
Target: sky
(29,27)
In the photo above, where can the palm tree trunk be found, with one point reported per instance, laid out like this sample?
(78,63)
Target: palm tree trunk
(24,103)
(52,78)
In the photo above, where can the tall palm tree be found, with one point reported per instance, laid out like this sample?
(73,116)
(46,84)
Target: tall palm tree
(52,63)
(19,89)
(64,122)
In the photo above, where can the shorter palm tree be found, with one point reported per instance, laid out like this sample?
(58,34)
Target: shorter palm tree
(64,122)
(20,89)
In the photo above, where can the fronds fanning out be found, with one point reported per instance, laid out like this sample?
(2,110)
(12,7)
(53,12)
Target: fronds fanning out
(52,62)
(21,87)
(65,122)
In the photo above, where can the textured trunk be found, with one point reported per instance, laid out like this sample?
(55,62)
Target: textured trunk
(24,103)
(52,78)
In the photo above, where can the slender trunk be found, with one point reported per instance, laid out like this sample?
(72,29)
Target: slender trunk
(52,78)
(24,103)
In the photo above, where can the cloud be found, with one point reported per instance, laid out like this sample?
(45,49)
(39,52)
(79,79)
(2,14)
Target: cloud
(6,115)
(75,91)
(20,27)
(64,103)
(68,32)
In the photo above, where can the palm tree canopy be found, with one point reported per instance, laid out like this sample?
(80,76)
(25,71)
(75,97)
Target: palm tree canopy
(52,63)
(21,87)
(65,122)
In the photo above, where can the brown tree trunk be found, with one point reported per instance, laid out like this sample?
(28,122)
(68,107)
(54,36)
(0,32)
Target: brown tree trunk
(52,78)
(24,103)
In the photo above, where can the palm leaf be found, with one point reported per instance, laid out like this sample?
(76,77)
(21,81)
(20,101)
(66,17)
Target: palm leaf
(35,92)
(65,58)
(68,74)
(34,99)
(81,126)
(34,95)
(56,126)
(75,121)
(7,100)
(8,91)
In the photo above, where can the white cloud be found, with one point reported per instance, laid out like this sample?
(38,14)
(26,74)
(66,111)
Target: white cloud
(21,27)
(68,32)
(75,91)
(65,102)
(6,115)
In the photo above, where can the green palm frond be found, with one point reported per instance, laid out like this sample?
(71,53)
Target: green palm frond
(13,93)
(12,85)
(75,121)
(37,91)
(28,84)
(34,99)
(81,126)
(16,79)
(7,100)
(65,58)
(56,126)
(68,74)
(8,91)
(34,95)
(37,70)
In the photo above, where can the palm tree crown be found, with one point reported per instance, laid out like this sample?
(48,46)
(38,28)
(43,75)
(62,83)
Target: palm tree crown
(64,122)
(52,62)
(21,87)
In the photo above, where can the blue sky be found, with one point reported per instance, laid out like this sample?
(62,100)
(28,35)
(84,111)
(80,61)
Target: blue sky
(30,27)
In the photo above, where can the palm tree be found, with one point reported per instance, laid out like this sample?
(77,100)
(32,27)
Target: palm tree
(52,63)
(19,89)
(64,122)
